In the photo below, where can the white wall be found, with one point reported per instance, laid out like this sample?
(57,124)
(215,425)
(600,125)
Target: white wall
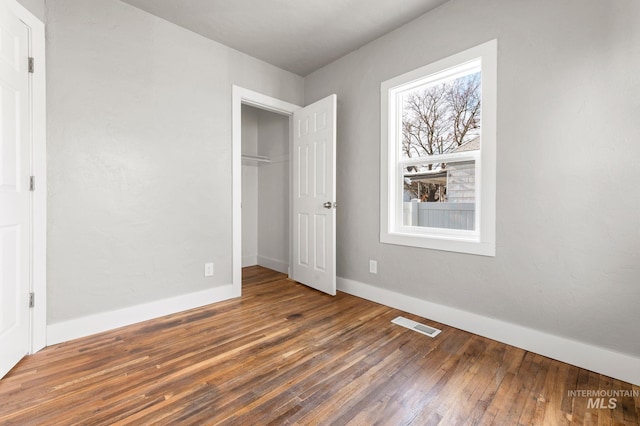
(273,191)
(568,228)
(139,156)
(249,187)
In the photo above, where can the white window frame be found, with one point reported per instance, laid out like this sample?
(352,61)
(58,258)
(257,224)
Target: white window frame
(481,240)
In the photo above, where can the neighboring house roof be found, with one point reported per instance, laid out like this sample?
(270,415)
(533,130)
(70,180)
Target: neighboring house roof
(472,145)
(430,176)
(438,175)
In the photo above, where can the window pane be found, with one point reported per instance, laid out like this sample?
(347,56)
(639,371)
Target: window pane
(441,117)
(440,195)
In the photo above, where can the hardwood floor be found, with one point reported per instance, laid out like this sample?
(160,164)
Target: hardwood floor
(286,354)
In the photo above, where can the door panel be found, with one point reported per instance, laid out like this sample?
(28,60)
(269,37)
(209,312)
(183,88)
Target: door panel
(303,167)
(321,168)
(303,238)
(15,163)
(314,240)
(321,249)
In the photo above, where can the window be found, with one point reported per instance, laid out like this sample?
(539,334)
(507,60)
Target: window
(438,154)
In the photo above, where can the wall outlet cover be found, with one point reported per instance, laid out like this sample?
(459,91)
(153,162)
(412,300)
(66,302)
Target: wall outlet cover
(208,269)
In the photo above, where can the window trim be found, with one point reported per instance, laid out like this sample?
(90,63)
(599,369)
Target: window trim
(480,241)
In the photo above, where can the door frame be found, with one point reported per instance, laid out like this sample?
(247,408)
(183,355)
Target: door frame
(38,249)
(241,96)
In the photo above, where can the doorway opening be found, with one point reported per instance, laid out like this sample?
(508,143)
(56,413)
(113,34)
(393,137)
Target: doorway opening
(265,189)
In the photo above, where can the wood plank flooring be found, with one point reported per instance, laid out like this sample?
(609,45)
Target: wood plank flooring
(286,354)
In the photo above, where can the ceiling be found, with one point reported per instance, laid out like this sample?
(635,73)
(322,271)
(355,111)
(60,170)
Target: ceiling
(300,36)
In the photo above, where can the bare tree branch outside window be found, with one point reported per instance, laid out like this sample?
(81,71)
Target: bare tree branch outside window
(439,119)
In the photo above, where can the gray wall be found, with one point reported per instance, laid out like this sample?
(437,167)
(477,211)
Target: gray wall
(139,155)
(568,228)
(36,7)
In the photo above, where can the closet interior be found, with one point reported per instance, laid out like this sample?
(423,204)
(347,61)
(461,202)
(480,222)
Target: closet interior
(265,189)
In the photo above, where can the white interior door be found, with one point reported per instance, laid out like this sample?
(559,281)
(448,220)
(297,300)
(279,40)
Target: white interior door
(314,195)
(15,163)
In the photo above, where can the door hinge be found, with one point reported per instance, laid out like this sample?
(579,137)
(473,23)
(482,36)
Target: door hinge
(32,299)
(32,183)
(31,65)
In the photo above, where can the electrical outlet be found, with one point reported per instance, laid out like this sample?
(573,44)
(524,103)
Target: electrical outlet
(208,269)
(373,266)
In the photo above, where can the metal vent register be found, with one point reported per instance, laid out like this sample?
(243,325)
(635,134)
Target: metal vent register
(416,326)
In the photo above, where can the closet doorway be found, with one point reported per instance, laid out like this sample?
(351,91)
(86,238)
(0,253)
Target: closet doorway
(265,189)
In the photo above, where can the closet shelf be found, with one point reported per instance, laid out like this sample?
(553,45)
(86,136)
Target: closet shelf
(255,158)
(259,160)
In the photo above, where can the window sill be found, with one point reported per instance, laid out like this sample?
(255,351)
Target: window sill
(445,243)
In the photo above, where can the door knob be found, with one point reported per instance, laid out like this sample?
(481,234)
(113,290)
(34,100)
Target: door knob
(330,205)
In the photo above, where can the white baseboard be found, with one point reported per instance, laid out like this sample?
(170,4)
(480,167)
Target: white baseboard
(92,324)
(276,265)
(249,261)
(604,361)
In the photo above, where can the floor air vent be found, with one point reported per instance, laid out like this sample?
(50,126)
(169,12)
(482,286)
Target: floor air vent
(416,326)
